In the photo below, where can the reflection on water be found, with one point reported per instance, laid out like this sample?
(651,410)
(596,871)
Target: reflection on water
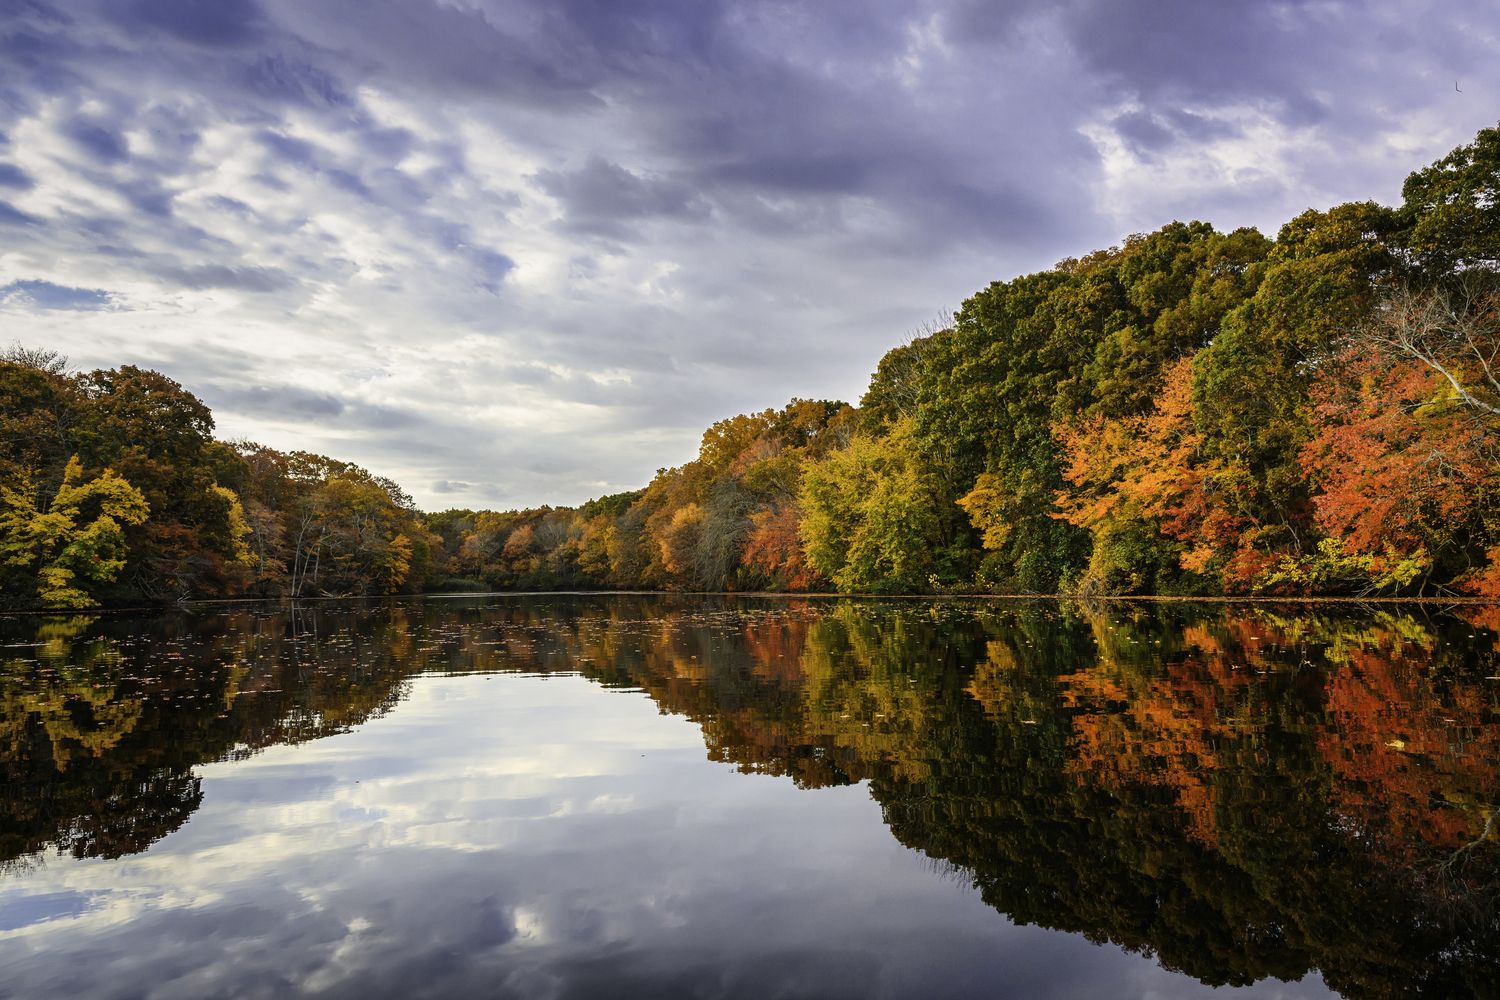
(1239,792)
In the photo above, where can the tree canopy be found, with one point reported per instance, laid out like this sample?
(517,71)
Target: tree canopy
(1188,412)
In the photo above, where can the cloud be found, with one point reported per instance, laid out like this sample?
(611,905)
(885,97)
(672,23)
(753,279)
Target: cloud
(102,143)
(277,77)
(214,23)
(280,401)
(39,907)
(458,51)
(247,279)
(569,235)
(10,215)
(600,195)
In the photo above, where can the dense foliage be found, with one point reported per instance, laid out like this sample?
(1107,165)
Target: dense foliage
(113,489)
(1191,412)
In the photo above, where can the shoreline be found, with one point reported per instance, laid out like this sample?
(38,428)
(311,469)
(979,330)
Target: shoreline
(767,594)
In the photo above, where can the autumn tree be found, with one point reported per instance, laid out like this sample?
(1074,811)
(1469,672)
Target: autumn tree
(1128,478)
(872,515)
(73,539)
(1408,437)
(1091,338)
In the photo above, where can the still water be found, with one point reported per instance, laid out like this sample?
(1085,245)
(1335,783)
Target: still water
(674,796)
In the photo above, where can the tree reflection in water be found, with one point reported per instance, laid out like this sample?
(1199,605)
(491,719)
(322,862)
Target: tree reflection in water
(1242,791)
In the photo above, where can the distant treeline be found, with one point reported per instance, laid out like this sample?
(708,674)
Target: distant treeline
(1189,413)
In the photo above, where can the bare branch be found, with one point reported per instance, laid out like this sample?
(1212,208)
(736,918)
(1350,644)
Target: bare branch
(49,362)
(1459,340)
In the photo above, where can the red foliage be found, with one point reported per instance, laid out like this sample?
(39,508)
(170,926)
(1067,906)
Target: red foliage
(1403,467)
(175,563)
(775,549)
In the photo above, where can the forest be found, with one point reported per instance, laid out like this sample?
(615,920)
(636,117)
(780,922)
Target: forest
(1190,412)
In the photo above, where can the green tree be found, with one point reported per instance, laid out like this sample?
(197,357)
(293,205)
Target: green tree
(1450,216)
(872,520)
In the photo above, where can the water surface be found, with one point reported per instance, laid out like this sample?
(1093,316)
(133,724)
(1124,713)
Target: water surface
(623,795)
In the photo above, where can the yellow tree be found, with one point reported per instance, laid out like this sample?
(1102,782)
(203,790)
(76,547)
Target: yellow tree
(366,534)
(871,520)
(63,551)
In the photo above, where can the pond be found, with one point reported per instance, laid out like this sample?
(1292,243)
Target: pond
(618,795)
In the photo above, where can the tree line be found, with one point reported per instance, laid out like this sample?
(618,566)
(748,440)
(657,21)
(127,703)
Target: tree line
(113,490)
(1188,413)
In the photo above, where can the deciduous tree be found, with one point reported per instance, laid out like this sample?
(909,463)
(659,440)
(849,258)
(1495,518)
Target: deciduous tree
(72,539)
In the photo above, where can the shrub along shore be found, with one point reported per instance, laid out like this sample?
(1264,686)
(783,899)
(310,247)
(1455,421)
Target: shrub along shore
(1190,413)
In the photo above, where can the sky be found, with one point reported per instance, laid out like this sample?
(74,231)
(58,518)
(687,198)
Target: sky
(522,253)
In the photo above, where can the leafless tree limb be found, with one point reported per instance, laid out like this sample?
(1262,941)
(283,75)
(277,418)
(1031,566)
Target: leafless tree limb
(1456,333)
